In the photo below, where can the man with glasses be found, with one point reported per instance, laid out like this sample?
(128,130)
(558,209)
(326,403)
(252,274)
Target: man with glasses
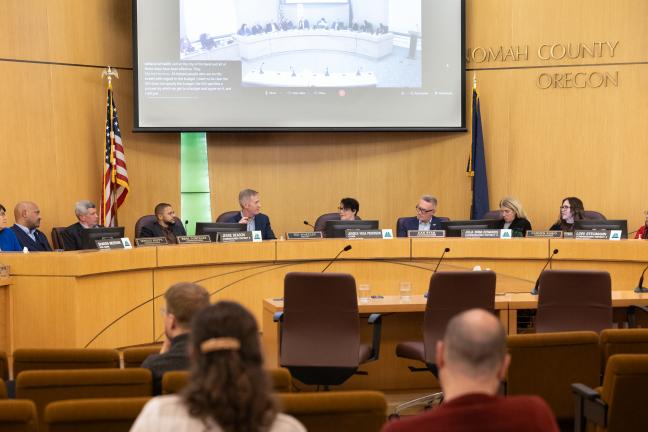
(424,219)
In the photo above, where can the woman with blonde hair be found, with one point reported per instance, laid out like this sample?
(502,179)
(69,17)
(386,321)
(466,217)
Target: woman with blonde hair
(228,390)
(514,217)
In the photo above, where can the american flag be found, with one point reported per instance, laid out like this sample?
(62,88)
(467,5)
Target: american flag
(115,177)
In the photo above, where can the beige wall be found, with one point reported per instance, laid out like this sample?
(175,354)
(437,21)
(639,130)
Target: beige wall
(541,145)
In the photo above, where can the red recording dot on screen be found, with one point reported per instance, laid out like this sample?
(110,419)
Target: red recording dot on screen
(342,92)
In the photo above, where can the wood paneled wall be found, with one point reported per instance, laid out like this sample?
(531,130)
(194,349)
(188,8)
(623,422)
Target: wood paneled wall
(541,145)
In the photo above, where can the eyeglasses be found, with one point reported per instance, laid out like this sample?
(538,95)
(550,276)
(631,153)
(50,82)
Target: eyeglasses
(565,207)
(344,209)
(422,210)
(2,213)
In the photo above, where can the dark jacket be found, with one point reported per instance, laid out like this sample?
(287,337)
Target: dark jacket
(519,226)
(72,237)
(155,230)
(412,223)
(261,223)
(40,245)
(177,358)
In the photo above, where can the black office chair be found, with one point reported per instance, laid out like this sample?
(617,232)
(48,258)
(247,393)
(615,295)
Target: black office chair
(450,293)
(319,328)
(574,300)
(225,217)
(401,220)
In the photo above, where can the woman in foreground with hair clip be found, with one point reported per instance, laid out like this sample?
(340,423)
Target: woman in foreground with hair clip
(228,390)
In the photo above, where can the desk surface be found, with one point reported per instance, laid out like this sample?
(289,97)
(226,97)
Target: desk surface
(83,292)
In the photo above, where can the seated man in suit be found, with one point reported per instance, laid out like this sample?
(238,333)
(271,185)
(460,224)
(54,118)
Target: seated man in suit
(86,213)
(167,224)
(251,214)
(28,219)
(424,219)
(472,362)
(183,301)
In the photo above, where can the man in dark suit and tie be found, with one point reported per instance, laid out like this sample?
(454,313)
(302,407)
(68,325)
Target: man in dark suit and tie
(86,213)
(27,217)
(251,214)
(167,224)
(424,219)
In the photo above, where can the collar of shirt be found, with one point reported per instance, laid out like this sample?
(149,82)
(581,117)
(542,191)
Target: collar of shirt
(424,225)
(31,233)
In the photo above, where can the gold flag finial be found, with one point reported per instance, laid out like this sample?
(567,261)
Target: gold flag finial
(110,73)
(475,81)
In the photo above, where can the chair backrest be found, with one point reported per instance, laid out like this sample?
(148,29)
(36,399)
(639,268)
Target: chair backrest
(321,321)
(449,294)
(320,222)
(593,215)
(224,217)
(94,415)
(342,411)
(546,364)
(18,416)
(4,366)
(574,300)
(3,390)
(492,214)
(45,386)
(63,358)
(57,238)
(133,357)
(401,220)
(142,222)
(624,391)
(174,381)
(622,341)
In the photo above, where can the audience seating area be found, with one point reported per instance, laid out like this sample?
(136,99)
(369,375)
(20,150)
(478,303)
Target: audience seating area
(94,398)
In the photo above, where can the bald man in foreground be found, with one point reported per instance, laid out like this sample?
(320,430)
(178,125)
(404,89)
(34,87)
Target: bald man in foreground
(472,362)
(27,217)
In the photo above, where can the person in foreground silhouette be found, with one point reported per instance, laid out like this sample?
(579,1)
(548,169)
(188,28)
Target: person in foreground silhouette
(228,390)
(472,362)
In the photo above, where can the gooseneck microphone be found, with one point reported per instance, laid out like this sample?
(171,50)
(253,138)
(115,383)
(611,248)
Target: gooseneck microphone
(441,259)
(534,291)
(640,288)
(306,223)
(345,249)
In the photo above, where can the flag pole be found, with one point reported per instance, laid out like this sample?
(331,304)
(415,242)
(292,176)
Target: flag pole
(111,73)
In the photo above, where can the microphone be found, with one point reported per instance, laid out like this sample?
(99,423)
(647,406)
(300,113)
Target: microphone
(640,288)
(440,259)
(534,291)
(306,223)
(345,249)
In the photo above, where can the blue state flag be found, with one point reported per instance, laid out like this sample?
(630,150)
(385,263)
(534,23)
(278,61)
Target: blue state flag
(480,204)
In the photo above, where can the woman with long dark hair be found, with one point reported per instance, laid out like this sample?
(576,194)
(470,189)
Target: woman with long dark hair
(571,210)
(228,389)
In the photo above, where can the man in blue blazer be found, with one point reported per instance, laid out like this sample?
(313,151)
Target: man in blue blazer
(251,214)
(27,216)
(424,219)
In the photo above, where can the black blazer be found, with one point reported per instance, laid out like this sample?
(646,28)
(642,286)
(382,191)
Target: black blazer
(412,223)
(155,230)
(40,245)
(261,223)
(519,226)
(72,237)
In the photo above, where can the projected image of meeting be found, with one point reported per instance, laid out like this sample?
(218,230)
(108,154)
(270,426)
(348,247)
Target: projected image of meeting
(308,43)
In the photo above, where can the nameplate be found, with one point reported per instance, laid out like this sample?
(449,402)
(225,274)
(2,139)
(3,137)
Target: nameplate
(545,234)
(426,233)
(4,271)
(356,234)
(151,241)
(193,239)
(480,233)
(235,237)
(304,235)
(109,244)
(597,234)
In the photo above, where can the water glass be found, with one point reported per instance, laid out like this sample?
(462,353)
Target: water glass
(364,293)
(405,290)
